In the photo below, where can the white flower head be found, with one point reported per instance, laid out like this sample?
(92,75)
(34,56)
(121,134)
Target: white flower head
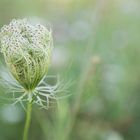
(27,51)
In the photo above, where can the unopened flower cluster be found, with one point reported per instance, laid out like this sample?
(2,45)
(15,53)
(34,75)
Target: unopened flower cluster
(27,50)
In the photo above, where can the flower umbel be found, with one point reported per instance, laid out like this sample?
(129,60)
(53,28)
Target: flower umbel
(27,51)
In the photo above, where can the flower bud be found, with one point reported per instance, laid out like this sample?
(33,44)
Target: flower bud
(27,51)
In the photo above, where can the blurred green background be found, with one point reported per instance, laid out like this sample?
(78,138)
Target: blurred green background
(97,53)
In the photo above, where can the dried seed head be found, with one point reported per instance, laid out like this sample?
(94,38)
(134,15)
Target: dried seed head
(27,51)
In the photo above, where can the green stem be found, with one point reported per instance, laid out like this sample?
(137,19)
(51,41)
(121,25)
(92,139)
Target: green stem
(28,121)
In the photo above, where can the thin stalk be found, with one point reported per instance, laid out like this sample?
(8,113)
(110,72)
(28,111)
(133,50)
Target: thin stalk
(97,19)
(28,121)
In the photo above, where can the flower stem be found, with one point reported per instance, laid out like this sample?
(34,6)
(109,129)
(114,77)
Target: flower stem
(28,121)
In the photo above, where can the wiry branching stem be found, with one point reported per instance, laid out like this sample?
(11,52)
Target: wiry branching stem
(28,121)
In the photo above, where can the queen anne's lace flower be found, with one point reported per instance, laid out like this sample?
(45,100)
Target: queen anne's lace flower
(27,50)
